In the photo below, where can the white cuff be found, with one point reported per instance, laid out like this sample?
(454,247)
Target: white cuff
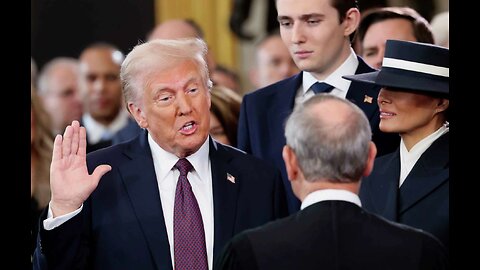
(51,223)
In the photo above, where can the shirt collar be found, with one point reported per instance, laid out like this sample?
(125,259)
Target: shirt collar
(335,79)
(330,195)
(422,146)
(165,161)
(95,129)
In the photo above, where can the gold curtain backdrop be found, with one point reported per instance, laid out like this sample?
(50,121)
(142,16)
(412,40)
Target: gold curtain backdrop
(212,16)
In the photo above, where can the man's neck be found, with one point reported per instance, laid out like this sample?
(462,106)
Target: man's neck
(322,74)
(309,187)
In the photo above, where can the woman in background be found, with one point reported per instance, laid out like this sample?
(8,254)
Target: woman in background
(224,112)
(411,185)
(41,146)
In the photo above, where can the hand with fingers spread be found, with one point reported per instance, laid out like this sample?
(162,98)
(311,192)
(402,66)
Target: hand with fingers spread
(69,179)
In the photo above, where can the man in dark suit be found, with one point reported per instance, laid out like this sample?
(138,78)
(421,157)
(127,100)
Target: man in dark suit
(104,112)
(318,36)
(132,218)
(328,150)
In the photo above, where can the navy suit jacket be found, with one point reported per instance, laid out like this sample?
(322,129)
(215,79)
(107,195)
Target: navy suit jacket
(263,114)
(122,226)
(422,201)
(333,235)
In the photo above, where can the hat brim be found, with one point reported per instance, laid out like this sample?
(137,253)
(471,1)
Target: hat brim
(429,85)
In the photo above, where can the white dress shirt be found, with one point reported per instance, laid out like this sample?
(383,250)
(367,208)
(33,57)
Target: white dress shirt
(330,195)
(96,130)
(341,85)
(408,159)
(200,179)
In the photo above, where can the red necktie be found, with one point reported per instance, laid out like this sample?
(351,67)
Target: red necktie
(188,233)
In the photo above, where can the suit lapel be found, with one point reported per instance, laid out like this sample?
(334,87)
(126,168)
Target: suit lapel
(224,195)
(430,171)
(362,94)
(283,101)
(384,186)
(140,181)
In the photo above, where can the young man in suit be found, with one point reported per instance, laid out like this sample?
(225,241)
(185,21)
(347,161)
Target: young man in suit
(328,150)
(132,218)
(318,34)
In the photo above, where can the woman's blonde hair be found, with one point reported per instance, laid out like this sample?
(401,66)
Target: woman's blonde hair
(41,150)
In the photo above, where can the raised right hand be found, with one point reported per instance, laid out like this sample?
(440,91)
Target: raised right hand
(70,182)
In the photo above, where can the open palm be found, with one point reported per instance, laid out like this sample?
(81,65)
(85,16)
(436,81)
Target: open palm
(69,179)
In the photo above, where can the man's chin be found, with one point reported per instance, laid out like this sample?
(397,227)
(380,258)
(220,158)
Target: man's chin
(191,144)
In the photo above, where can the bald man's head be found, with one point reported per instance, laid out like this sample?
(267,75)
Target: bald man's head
(182,28)
(330,137)
(175,29)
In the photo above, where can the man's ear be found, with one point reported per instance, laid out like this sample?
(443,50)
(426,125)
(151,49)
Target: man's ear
(138,115)
(372,153)
(291,163)
(351,21)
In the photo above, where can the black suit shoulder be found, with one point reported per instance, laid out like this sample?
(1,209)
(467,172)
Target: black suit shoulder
(335,235)
(431,253)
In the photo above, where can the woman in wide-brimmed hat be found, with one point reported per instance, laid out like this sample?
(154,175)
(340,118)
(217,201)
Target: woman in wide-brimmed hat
(411,185)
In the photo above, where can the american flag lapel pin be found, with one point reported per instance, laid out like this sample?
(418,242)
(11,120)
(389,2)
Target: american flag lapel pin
(367,99)
(231,178)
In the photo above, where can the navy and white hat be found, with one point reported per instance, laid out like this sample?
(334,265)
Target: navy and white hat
(413,66)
